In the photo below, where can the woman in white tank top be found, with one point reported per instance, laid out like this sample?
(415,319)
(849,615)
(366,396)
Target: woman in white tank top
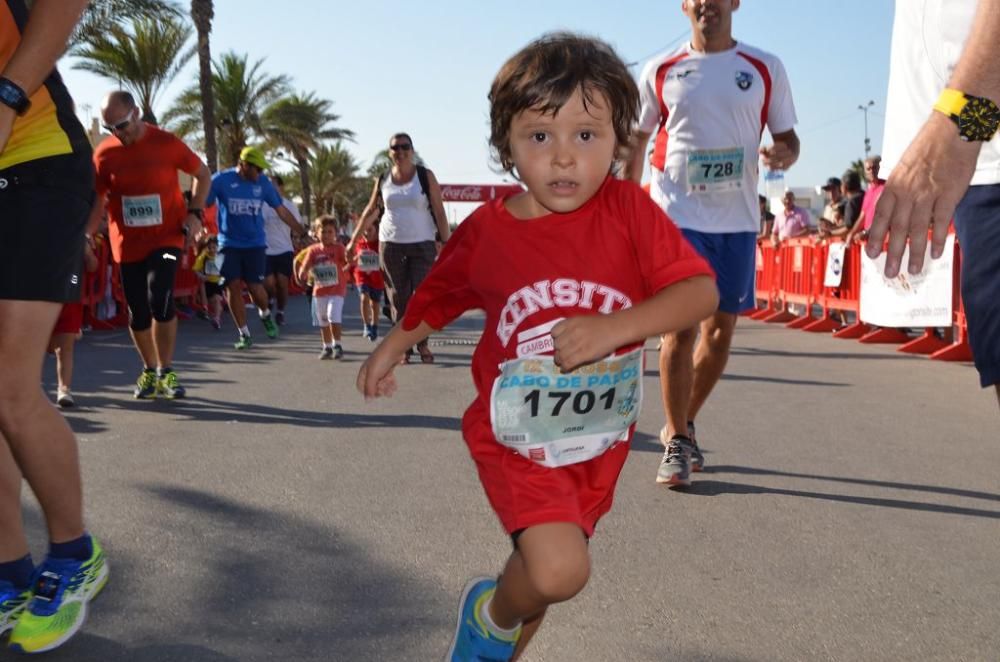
(411,220)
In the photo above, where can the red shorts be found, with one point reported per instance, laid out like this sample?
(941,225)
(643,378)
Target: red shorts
(525,494)
(70,319)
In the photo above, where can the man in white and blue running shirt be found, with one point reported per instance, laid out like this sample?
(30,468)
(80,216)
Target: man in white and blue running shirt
(708,103)
(241,193)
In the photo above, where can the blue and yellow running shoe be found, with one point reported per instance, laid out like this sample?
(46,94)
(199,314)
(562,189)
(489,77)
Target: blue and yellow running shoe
(59,598)
(473,642)
(12,604)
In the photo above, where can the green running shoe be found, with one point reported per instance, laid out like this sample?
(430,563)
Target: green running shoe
(270,328)
(244,342)
(170,387)
(145,386)
(59,598)
(12,604)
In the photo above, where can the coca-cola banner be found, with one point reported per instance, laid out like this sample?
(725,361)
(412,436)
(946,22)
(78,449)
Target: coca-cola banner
(476,192)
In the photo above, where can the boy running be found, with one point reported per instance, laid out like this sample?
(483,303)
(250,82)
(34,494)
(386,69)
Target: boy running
(573,274)
(327,263)
(368,278)
(206,268)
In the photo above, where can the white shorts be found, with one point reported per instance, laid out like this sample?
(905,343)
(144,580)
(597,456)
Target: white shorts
(329,310)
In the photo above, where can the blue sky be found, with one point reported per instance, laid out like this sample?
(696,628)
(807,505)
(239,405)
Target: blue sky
(425,67)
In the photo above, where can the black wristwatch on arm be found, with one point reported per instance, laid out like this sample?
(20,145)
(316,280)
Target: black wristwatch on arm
(13,96)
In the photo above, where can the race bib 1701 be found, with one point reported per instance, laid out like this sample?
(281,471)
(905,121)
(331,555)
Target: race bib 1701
(558,419)
(714,170)
(139,211)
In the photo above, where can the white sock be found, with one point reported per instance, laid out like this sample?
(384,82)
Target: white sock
(264,314)
(508,635)
(244,330)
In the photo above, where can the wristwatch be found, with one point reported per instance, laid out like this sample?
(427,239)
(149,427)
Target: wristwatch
(977,118)
(12,95)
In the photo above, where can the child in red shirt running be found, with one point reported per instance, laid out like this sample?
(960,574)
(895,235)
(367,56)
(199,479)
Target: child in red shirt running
(573,274)
(326,262)
(368,278)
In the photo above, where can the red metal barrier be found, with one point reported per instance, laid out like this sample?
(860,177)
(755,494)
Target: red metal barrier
(797,278)
(959,350)
(766,282)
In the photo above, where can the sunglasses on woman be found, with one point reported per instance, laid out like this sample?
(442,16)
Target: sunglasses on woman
(401,148)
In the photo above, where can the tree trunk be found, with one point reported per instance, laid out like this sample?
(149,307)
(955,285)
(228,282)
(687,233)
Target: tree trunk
(303,161)
(202,13)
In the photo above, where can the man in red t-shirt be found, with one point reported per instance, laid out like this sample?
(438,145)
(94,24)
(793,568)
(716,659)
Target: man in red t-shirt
(149,224)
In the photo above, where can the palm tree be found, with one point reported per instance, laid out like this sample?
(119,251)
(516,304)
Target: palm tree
(202,13)
(299,124)
(241,92)
(858,166)
(143,56)
(334,181)
(101,14)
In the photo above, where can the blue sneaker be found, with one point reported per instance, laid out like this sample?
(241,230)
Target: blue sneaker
(59,598)
(12,604)
(473,642)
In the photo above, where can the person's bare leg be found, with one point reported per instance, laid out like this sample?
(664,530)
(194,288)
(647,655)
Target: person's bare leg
(259,296)
(528,630)
(676,378)
(281,291)
(326,333)
(270,287)
(998,393)
(13,543)
(145,345)
(710,358)
(236,307)
(366,310)
(165,339)
(41,443)
(336,330)
(64,343)
(552,565)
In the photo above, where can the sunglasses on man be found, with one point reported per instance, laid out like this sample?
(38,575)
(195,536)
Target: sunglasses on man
(401,148)
(120,126)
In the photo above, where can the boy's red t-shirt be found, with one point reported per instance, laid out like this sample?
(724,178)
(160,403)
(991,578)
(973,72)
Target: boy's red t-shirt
(327,264)
(145,175)
(617,250)
(366,269)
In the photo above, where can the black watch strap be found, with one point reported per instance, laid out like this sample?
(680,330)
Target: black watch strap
(13,96)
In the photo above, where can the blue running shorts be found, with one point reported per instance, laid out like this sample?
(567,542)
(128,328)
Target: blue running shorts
(977,224)
(246,264)
(733,256)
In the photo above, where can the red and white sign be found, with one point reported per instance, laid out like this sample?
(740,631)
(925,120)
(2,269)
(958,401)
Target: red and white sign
(477,192)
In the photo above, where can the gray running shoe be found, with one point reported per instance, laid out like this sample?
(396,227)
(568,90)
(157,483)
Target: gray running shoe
(697,459)
(145,386)
(326,354)
(675,469)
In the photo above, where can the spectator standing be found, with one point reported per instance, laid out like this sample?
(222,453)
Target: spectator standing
(872,194)
(792,221)
(853,198)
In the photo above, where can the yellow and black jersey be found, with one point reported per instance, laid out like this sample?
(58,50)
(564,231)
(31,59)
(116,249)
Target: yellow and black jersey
(50,127)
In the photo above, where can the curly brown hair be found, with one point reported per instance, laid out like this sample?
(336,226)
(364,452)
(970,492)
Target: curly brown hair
(544,75)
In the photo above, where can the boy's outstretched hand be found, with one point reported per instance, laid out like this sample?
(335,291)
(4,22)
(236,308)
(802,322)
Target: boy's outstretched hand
(375,378)
(583,339)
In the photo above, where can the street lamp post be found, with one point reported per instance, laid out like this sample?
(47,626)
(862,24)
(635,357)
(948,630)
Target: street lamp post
(868,142)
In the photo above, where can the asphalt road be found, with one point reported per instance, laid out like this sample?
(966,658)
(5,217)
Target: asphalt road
(850,510)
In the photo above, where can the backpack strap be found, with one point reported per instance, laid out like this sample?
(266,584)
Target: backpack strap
(425,186)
